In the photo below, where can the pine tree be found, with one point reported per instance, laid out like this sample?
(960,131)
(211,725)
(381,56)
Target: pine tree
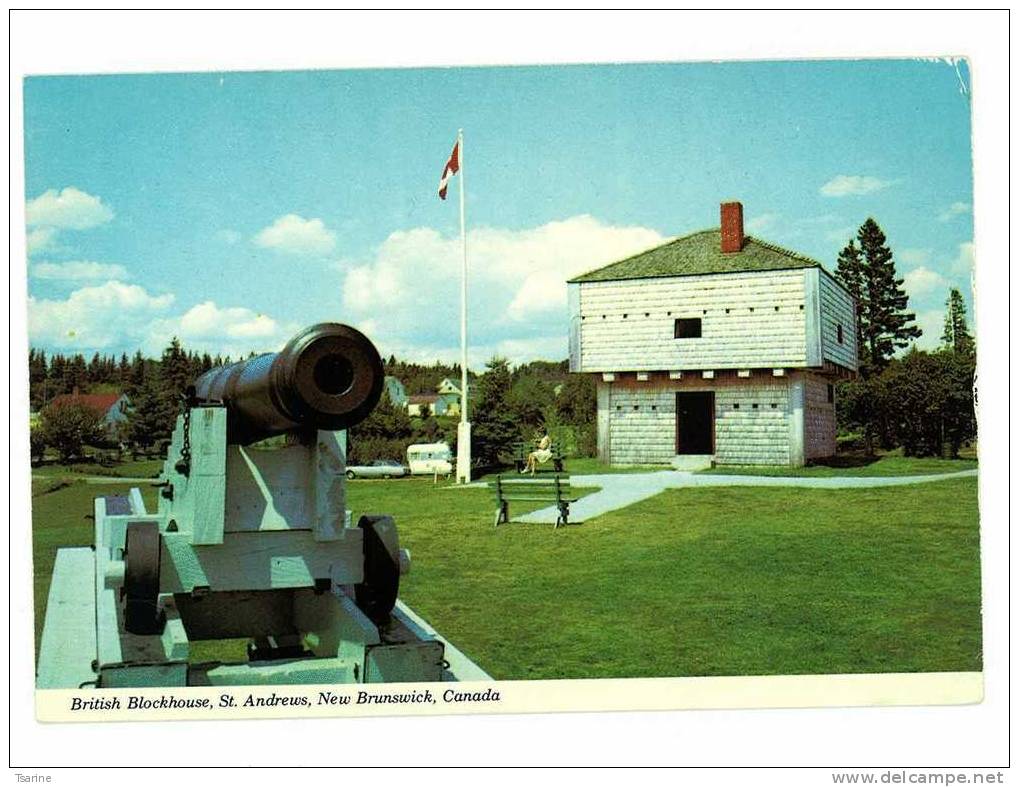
(494,430)
(149,419)
(138,372)
(76,375)
(883,324)
(889,326)
(56,379)
(37,382)
(850,271)
(956,335)
(175,370)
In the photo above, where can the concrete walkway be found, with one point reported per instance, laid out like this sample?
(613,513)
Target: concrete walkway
(618,490)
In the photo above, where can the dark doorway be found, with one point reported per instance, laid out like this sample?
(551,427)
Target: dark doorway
(695,422)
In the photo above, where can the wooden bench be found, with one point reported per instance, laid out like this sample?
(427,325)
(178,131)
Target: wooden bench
(522,449)
(552,491)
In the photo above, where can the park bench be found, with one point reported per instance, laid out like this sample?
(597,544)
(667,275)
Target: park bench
(523,448)
(552,491)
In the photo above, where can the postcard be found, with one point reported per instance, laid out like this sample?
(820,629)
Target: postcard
(502,389)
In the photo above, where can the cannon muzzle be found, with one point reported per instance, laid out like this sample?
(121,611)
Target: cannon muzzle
(329,376)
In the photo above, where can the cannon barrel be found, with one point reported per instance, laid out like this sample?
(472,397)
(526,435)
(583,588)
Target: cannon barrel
(329,376)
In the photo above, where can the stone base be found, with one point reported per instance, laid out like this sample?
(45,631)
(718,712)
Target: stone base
(691,462)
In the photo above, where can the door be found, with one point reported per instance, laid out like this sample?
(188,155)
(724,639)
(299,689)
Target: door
(695,422)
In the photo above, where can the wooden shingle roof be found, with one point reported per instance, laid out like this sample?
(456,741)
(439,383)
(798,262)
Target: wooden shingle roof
(700,253)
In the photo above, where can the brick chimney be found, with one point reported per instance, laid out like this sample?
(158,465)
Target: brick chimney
(732,227)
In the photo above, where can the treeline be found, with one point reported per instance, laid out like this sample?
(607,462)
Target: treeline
(922,402)
(154,388)
(530,398)
(50,376)
(505,405)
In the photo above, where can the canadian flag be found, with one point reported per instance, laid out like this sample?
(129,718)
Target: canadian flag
(452,167)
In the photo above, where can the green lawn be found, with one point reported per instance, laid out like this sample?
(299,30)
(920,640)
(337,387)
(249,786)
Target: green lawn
(702,582)
(888,465)
(141,468)
(724,581)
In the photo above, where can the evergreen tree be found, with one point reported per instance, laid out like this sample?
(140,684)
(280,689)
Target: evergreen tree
(886,325)
(76,375)
(151,417)
(956,335)
(37,382)
(56,380)
(175,370)
(850,271)
(137,375)
(124,373)
(494,429)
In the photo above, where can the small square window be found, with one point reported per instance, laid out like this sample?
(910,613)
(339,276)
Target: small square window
(735,406)
(838,333)
(755,405)
(687,328)
(831,394)
(776,308)
(636,407)
(774,406)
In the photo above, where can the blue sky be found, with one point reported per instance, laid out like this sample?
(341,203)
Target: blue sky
(232,208)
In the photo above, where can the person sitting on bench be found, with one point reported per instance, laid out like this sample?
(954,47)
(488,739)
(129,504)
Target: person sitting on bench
(541,455)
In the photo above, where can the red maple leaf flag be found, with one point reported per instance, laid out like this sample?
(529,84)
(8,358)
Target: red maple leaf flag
(452,167)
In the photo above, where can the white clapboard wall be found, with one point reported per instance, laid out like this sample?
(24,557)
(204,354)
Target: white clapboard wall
(779,319)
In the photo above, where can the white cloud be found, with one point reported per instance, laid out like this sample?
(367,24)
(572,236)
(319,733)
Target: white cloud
(762,222)
(293,234)
(921,282)
(118,317)
(230,330)
(407,297)
(962,265)
(96,317)
(68,209)
(41,239)
(853,185)
(932,323)
(914,256)
(79,270)
(954,210)
(229,237)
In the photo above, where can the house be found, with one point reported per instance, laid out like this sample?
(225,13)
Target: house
(450,393)
(435,404)
(111,407)
(395,391)
(714,347)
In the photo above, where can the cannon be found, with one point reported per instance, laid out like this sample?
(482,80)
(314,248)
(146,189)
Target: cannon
(249,542)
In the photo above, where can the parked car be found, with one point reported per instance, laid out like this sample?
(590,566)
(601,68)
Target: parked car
(429,459)
(380,468)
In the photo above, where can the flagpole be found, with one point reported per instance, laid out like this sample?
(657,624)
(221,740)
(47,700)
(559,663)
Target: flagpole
(463,447)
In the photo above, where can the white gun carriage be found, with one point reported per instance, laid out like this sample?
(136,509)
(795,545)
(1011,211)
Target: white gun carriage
(248,543)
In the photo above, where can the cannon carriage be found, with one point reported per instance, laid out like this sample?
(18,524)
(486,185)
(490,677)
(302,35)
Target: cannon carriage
(248,543)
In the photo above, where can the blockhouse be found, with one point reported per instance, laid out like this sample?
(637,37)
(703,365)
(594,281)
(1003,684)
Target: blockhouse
(714,347)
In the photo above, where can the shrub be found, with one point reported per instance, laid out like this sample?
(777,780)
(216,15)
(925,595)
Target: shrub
(69,427)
